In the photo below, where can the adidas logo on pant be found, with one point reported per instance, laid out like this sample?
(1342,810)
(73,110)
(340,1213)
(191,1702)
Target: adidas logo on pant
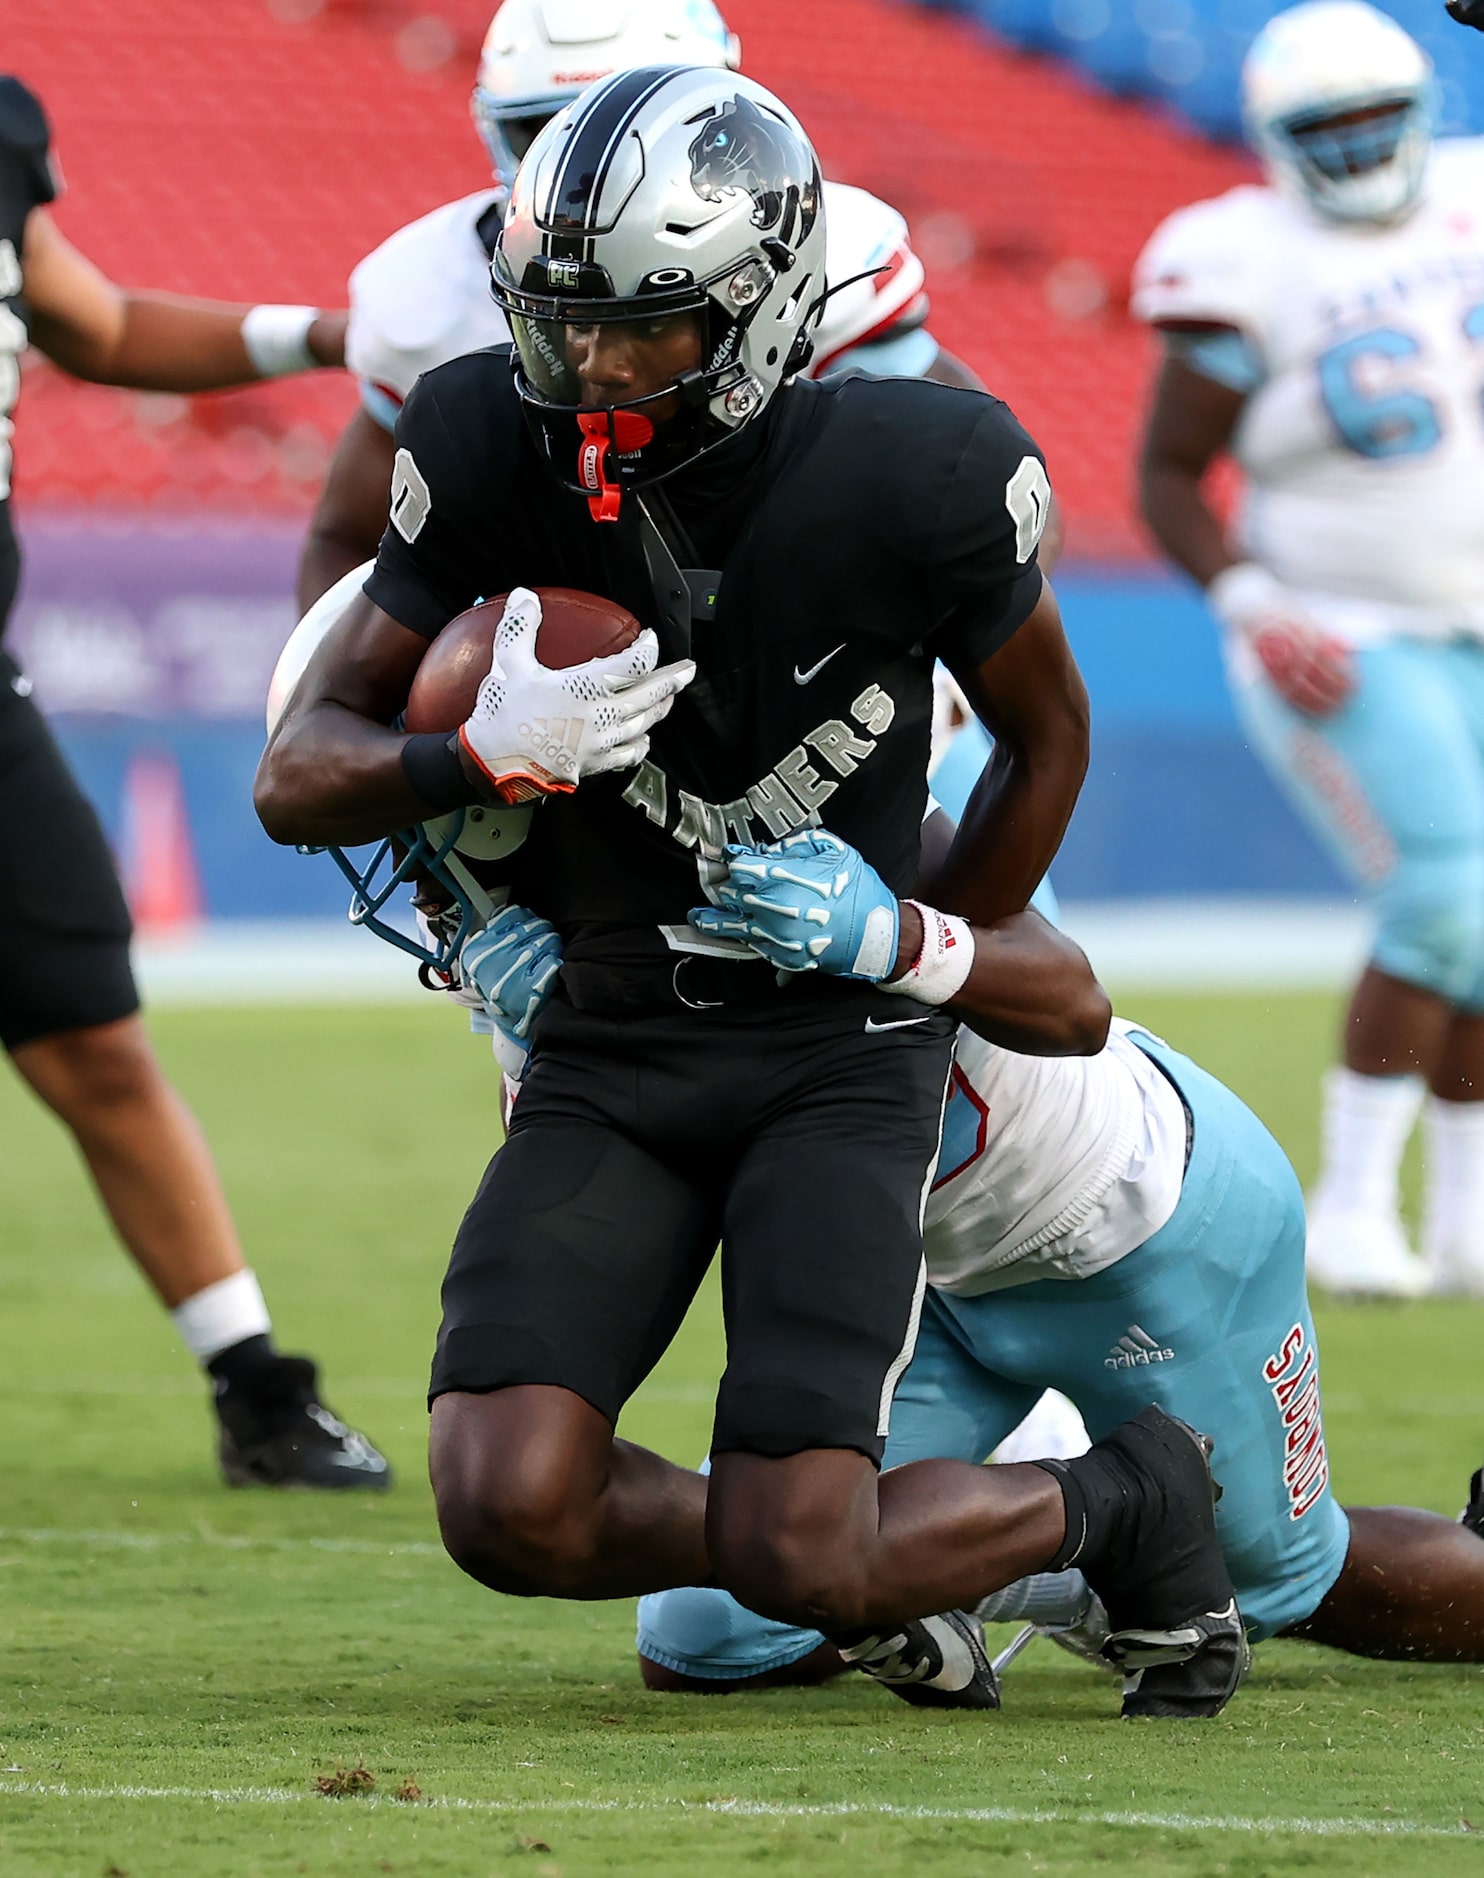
(1135,1349)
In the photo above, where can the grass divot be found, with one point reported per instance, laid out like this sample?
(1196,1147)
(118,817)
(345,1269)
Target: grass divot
(346,1781)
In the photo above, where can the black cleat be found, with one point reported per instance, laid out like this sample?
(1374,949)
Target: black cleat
(1472,1515)
(916,1660)
(1174,1627)
(277,1433)
(1183,1674)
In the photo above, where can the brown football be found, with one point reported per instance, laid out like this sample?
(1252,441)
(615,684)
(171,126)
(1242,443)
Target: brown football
(575,627)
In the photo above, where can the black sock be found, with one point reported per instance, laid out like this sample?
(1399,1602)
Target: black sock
(1097,1489)
(1140,1524)
(243,1365)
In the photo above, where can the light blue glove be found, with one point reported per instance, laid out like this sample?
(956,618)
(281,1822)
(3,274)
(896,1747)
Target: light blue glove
(511,963)
(807,903)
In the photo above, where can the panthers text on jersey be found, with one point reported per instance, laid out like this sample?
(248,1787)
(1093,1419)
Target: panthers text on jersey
(842,564)
(423,296)
(26,182)
(1051,1167)
(1362,437)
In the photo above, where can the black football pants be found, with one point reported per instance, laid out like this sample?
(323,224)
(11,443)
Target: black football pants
(64,926)
(800,1131)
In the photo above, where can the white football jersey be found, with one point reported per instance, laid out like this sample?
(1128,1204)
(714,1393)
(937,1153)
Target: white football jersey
(423,297)
(1051,1167)
(1363,439)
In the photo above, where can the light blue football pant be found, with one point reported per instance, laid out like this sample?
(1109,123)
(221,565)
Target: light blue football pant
(1208,1318)
(952,783)
(1393,784)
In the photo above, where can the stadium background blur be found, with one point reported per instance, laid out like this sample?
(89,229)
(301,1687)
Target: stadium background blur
(257,148)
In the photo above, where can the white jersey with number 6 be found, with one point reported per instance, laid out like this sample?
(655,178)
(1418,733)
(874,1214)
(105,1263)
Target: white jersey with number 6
(1362,437)
(423,296)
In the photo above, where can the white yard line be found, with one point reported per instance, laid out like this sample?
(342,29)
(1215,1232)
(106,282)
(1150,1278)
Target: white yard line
(763,1809)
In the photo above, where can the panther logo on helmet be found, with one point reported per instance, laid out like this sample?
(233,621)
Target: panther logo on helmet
(742,147)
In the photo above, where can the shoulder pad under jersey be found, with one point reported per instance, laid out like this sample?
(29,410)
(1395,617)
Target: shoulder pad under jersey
(862,232)
(1211,263)
(422,298)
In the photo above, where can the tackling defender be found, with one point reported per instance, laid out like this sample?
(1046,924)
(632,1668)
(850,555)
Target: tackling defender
(1121,1228)
(69,1011)
(662,267)
(423,297)
(1325,329)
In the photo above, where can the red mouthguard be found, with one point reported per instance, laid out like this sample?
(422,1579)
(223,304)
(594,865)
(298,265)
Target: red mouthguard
(602,431)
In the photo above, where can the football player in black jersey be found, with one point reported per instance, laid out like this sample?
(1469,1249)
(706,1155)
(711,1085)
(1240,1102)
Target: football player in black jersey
(69,1013)
(803,553)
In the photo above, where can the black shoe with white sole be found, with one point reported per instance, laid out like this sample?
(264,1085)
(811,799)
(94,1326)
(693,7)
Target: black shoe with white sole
(1174,1627)
(932,1662)
(275,1432)
(1184,1674)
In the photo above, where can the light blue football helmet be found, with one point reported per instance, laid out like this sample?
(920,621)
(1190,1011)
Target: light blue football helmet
(1341,104)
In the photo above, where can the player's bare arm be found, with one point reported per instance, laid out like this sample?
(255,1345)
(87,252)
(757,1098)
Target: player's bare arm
(1031,698)
(111,335)
(352,508)
(1191,421)
(1030,989)
(335,773)
(332,771)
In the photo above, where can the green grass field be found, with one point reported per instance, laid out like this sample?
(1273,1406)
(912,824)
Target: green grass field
(178,1663)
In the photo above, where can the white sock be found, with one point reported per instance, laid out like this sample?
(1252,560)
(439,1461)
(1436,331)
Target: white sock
(1365,1126)
(220,1315)
(1454,1212)
(1043,1598)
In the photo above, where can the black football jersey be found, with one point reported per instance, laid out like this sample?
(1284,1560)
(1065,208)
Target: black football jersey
(882,528)
(26,182)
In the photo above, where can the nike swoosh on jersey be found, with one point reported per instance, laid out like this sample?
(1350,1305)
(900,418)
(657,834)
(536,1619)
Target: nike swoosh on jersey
(897,1023)
(802,678)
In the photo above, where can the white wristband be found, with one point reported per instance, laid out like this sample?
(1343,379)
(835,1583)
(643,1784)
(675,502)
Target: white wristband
(1242,595)
(943,965)
(276,339)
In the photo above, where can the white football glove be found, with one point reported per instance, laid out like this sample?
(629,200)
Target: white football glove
(537,732)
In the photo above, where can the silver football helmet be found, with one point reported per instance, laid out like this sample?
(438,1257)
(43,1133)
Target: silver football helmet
(668,190)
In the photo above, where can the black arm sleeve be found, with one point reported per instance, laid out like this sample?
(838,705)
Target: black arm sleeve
(427,567)
(985,581)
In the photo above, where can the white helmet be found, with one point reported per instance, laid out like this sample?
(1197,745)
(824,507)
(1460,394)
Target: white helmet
(439,869)
(539,54)
(1328,61)
(663,191)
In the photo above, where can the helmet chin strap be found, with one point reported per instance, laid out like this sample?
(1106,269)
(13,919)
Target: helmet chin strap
(602,431)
